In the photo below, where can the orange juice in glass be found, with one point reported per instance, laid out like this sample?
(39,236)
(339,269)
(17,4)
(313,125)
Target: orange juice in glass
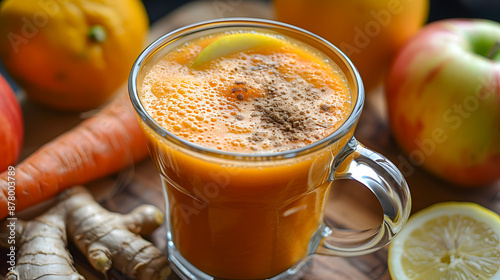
(248,122)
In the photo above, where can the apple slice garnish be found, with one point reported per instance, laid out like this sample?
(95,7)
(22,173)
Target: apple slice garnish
(234,43)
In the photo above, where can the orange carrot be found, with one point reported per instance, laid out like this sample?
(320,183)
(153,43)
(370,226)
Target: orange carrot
(99,146)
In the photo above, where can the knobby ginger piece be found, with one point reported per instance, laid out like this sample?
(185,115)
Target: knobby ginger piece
(107,239)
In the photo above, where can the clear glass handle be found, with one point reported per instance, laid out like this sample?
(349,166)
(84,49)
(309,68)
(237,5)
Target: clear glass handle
(389,186)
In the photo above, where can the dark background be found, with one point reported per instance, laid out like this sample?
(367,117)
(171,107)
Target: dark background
(439,9)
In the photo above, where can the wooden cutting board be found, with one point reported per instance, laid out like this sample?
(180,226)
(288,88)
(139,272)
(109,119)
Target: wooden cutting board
(350,205)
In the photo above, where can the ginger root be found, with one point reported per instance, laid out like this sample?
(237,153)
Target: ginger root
(107,239)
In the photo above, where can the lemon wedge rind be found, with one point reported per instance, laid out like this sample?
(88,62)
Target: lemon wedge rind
(234,43)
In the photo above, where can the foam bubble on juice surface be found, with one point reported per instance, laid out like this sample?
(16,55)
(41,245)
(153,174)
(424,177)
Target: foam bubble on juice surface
(252,101)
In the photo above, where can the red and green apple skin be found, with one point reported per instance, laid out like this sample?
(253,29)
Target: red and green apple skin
(11,126)
(443,97)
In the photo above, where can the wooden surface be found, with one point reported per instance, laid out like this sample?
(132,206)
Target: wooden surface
(350,205)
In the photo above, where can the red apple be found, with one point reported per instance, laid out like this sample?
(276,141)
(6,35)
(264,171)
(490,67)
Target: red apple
(443,96)
(11,126)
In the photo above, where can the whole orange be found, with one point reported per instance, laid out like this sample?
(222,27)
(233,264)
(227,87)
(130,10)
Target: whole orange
(71,54)
(369,32)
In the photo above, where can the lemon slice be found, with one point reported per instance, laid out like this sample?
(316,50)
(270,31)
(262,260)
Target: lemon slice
(450,240)
(234,43)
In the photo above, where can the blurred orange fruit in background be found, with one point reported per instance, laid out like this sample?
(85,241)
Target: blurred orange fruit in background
(71,54)
(369,32)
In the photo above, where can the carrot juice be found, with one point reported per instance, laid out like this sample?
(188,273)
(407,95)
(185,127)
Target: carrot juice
(248,122)
(232,216)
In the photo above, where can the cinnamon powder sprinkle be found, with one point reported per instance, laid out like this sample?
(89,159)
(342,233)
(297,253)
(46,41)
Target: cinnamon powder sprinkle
(277,107)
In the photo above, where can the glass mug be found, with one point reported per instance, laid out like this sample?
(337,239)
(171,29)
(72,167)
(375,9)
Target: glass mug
(259,216)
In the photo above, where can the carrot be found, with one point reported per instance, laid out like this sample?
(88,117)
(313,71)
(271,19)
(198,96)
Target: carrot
(99,146)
